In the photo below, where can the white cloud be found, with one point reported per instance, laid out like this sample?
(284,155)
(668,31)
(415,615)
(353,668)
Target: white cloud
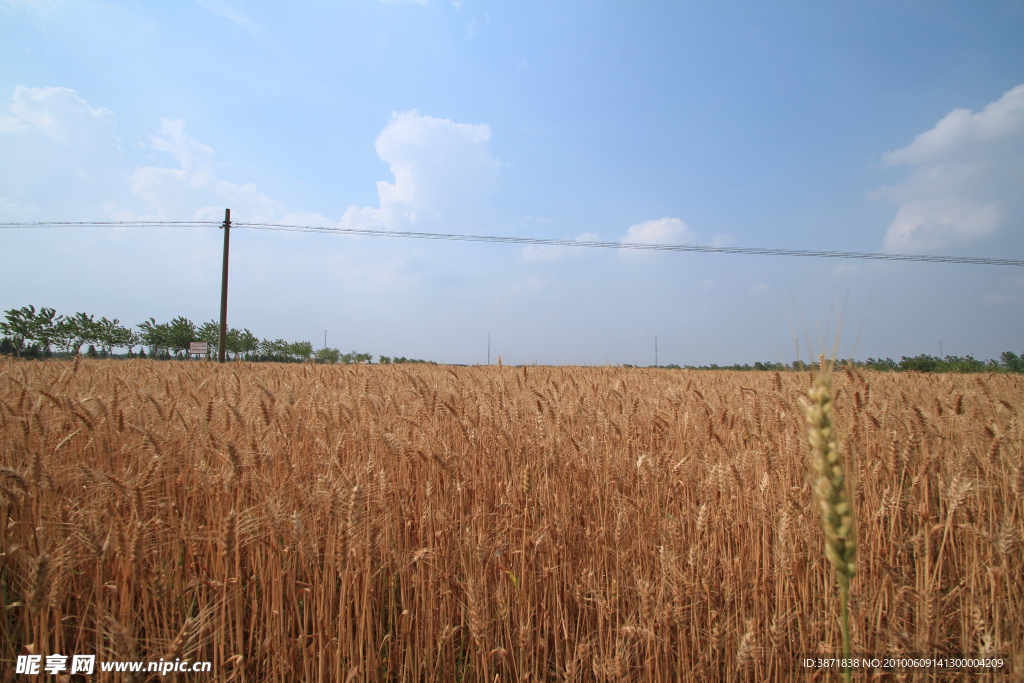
(662,231)
(668,231)
(60,114)
(190,153)
(177,194)
(543,252)
(962,133)
(935,223)
(444,175)
(194,190)
(65,162)
(60,155)
(966,177)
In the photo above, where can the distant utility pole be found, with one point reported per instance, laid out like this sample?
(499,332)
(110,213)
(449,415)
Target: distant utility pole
(223,338)
(488,348)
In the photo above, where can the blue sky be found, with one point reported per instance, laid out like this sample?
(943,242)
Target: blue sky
(895,126)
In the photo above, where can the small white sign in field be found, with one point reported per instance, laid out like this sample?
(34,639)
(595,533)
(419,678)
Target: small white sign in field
(199,348)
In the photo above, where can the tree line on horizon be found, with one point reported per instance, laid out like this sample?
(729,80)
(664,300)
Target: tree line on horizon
(1009,362)
(30,333)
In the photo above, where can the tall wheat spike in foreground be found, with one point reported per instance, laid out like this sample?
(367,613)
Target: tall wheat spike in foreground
(836,509)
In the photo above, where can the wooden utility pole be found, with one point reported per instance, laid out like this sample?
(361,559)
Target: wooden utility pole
(223,338)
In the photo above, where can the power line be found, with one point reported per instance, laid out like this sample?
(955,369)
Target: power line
(540,241)
(105,224)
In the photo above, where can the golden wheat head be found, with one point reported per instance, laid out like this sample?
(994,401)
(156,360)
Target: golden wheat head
(836,509)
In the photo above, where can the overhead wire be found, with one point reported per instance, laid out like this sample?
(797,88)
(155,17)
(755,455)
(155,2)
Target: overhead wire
(543,241)
(103,224)
(539,241)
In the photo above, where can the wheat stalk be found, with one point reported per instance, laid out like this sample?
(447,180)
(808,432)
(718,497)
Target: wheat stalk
(836,508)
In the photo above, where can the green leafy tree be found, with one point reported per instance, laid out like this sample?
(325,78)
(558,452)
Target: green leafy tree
(233,342)
(78,330)
(155,335)
(275,350)
(1012,362)
(966,363)
(26,324)
(182,332)
(328,356)
(44,328)
(110,334)
(300,350)
(209,332)
(249,343)
(17,325)
(127,338)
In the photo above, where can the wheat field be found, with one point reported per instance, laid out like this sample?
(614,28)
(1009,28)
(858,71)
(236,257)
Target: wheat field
(429,523)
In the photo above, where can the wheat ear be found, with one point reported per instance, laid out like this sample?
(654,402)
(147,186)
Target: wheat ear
(836,509)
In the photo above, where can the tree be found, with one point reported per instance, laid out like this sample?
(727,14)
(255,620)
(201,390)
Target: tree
(25,324)
(209,332)
(154,335)
(182,332)
(44,328)
(300,350)
(233,342)
(328,356)
(249,343)
(18,326)
(110,334)
(274,350)
(1012,361)
(77,330)
(128,338)
(116,335)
